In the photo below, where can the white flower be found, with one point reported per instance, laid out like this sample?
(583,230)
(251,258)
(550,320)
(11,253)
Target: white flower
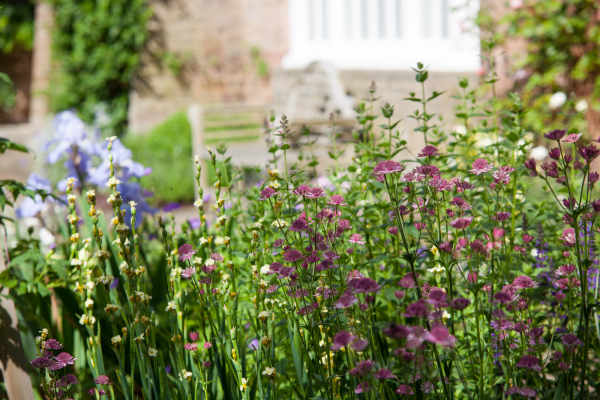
(171,306)
(279,223)
(203,240)
(209,262)
(87,319)
(221,219)
(152,352)
(438,269)
(113,182)
(265,268)
(363,203)
(89,303)
(445,315)
(186,375)
(274,184)
(557,100)
(263,315)
(198,203)
(77,262)
(244,384)
(269,371)
(539,153)
(581,106)
(138,339)
(46,237)
(219,240)
(460,129)
(89,285)
(116,339)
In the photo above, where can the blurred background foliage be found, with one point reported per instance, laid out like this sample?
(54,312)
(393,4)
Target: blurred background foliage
(16,26)
(554,61)
(168,150)
(88,33)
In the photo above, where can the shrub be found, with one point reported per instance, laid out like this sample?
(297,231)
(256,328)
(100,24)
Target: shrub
(167,149)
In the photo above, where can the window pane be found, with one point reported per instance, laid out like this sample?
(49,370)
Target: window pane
(364,18)
(325,33)
(445,17)
(427,18)
(381,22)
(348,12)
(311,19)
(398,18)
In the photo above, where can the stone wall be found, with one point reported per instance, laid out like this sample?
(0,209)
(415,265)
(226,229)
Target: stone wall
(229,47)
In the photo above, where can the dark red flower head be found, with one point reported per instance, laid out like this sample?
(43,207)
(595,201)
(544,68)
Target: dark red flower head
(588,153)
(555,134)
(388,167)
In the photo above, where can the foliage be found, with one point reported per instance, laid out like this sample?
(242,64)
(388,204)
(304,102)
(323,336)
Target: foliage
(473,275)
(97,46)
(167,149)
(560,42)
(16,26)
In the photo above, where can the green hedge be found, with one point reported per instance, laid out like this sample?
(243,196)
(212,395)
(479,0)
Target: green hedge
(167,149)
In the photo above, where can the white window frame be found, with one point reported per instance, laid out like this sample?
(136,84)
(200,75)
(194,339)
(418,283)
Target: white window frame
(348,49)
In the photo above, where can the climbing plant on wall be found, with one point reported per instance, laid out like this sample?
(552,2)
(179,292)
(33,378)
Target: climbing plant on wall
(96,49)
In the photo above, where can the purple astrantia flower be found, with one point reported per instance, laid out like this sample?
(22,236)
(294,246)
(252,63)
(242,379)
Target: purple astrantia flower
(302,190)
(186,251)
(529,362)
(555,134)
(278,243)
(572,138)
(384,374)
(396,331)
(216,257)
(337,200)
(359,344)
(388,167)
(440,335)
(404,389)
(416,310)
(67,380)
(65,358)
(362,368)
(188,272)
(298,226)
(356,239)
(191,346)
(194,336)
(461,223)
(30,207)
(102,380)
(588,153)
(267,193)
(429,151)
(345,301)
(316,193)
(524,282)
(363,285)
(52,344)
(292,255)
(571,340)
(41,362)
(363,388)
(342,339)
(480,166)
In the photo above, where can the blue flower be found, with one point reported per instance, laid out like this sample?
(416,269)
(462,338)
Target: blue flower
(30,207)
